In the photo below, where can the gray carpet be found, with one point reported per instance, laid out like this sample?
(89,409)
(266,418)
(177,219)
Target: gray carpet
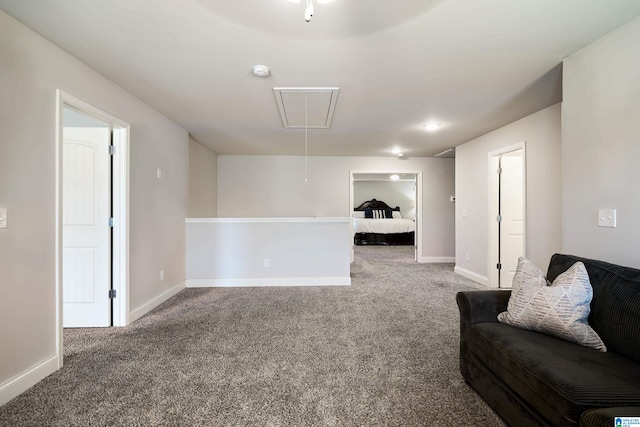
(381,352)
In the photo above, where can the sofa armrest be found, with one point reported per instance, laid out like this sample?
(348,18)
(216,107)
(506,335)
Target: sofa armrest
(477,307)
(482,306)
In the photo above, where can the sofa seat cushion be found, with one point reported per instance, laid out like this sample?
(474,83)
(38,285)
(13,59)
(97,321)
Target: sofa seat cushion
(607,417)
(558,378)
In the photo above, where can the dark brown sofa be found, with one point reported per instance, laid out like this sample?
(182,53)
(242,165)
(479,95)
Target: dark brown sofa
(532,379)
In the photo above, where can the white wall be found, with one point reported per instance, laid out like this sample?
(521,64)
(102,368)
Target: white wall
(203,181)
(542,134)
(30,72)
(393,193)
(601,147)
(268,252)
(274,186)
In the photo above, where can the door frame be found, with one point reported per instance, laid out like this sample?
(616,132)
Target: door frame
(120,208)
(492,186)
(418,233)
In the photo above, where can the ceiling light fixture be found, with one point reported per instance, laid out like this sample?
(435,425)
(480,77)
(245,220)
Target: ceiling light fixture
(261,70)
(319,1)
(394,177)
(432,126)
(308,11)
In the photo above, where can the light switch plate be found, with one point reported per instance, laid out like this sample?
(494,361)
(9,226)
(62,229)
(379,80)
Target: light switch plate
(3,218)
(607,218)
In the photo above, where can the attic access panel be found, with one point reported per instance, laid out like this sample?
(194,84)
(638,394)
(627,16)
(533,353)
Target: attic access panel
(318,103)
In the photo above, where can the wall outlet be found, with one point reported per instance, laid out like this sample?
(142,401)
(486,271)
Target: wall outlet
(161,274)
(266,262)
(159,173)
(466,257)
(3,218)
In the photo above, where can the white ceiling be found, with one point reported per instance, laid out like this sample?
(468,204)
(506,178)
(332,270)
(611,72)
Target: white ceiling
(471,65)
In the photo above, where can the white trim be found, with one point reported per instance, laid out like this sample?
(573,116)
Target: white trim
(150,305)
(58,228)
(437,259)
(263,220)
(350,210)
(471,275)
(121,231)
(285,281)
(22,382)
(121,212)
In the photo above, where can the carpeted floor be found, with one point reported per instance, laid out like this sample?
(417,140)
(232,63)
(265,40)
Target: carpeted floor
(382,352)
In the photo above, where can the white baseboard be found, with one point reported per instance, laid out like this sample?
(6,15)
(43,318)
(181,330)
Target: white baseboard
(288,281)
(437,259)
(22,382)
(471,275)
(150,305)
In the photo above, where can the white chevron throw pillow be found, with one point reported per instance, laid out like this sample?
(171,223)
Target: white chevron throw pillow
(560,309)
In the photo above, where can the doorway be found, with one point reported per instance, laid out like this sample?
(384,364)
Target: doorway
(507,208)
(382,187)
(92,241)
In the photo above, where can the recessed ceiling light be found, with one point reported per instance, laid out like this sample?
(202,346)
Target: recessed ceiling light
(396,150)
(432,126)
(394,177)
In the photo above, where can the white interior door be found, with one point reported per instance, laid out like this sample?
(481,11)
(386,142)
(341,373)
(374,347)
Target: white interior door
(512,214)
(86,240)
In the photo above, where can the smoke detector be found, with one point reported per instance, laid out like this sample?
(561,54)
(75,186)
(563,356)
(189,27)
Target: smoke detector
(261,70)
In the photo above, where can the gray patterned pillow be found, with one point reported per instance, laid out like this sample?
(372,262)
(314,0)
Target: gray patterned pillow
(527,272)
(560,309)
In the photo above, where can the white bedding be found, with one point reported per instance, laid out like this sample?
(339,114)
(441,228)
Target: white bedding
(383,226)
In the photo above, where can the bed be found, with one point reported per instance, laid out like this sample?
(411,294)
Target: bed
(376,223)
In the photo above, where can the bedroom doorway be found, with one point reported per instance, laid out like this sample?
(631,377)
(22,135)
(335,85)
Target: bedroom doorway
(507,207)
(401,192)
(92,187)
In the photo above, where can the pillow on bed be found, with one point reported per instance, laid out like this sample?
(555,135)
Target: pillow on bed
(396,215)
(382,213)
(378,213)
(358,214)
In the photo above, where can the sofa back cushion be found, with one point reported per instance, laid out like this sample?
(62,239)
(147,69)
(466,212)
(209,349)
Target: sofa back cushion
(615,307)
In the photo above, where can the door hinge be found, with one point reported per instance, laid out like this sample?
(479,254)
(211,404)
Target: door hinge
(499,218)
(112,222)
(499,266)
(499,170)
(112,150)
(112,293)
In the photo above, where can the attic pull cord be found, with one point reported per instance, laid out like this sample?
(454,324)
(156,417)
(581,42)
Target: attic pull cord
(306,137)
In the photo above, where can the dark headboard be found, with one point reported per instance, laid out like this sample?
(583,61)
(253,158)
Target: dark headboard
(375,204)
